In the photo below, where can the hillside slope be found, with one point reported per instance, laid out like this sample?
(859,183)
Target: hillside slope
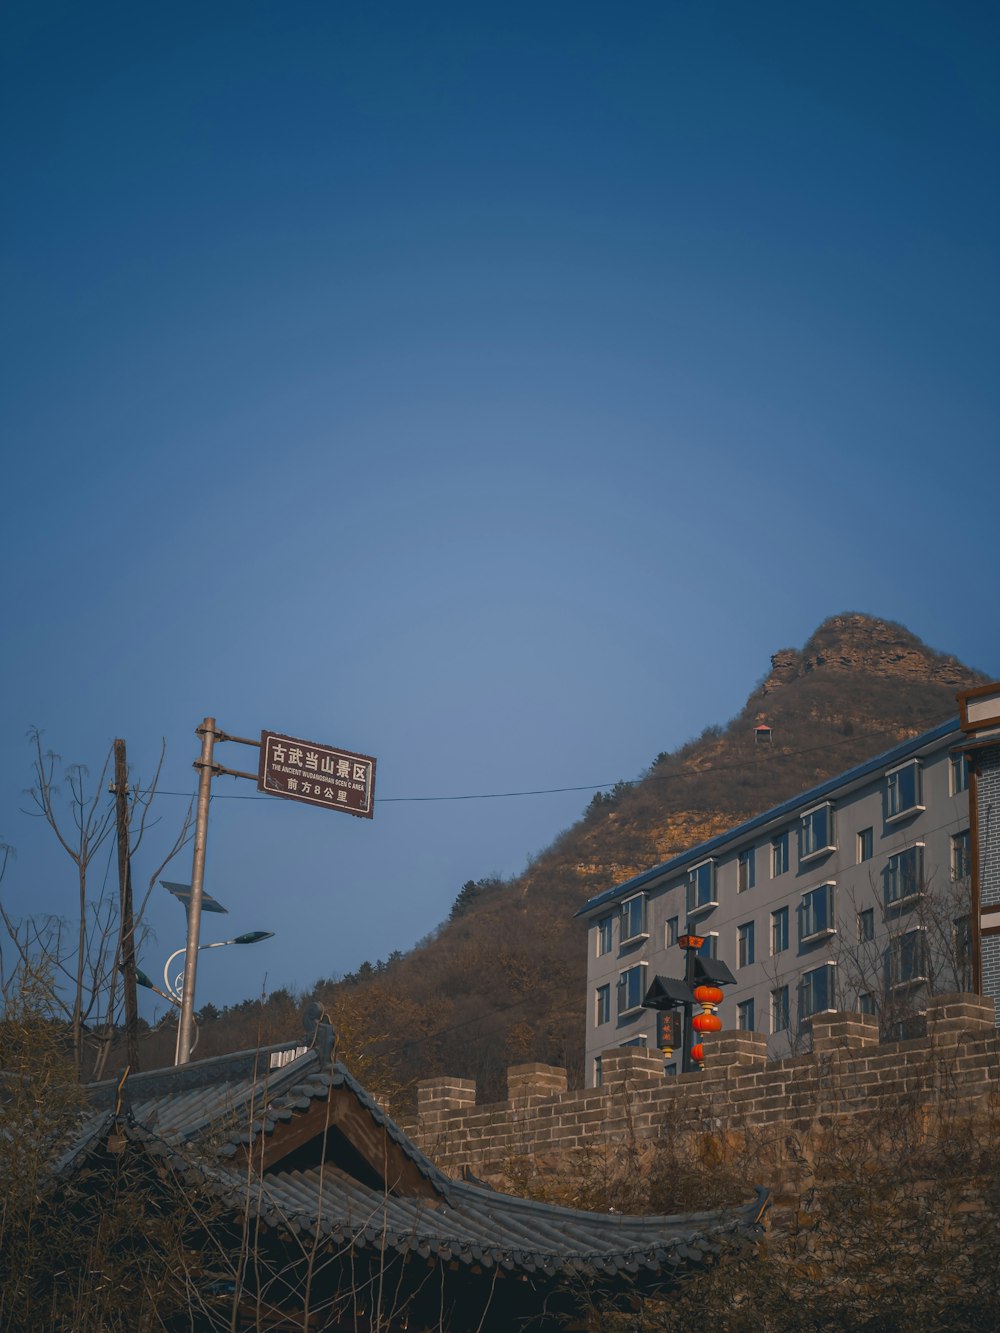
(504,979)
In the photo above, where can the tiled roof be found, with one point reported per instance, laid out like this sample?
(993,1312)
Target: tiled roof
(811,797)
(473,1225)
(196,1119)
(247,1099)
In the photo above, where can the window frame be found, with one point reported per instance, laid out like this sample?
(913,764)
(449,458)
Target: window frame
(629,1010)
(781,916)
(866,925)
(961,939)
(808,850)
(746,870)
(671,931)
(865,845)
(634,936)
(605,937)
(960,854)
(807,911)
(895,795)
(710,949)
(780,854)
(807,986)
(781,1008)
(602,1004)
(744,1009)
(958,774)
(746,942)
(895,884)
(902,971)
(695,888)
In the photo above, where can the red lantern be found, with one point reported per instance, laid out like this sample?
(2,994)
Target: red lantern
(698,1053)
(706,1023)
(708,995)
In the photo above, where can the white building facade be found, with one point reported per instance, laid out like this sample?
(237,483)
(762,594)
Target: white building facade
(853,896)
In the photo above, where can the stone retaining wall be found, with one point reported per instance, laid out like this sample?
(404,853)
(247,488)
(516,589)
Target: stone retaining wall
(846,1074)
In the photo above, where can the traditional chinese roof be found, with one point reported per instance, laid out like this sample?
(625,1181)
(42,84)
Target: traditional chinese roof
(244,1105)
(306,1151)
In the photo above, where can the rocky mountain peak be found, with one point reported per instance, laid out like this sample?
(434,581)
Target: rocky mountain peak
(853,642)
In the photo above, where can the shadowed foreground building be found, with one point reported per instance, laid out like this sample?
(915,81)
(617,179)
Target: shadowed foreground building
(318,1202)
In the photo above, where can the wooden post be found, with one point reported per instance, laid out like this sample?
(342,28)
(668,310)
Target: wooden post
(127,923)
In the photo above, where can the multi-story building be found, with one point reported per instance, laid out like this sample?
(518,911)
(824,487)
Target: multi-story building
(853,895)
(980,719)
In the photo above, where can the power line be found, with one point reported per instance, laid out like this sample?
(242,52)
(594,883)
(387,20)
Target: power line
(590,786)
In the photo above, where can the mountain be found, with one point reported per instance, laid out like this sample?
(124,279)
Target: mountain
(504,979)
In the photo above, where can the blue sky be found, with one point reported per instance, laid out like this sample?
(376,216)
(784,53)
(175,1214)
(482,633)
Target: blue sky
(487,388)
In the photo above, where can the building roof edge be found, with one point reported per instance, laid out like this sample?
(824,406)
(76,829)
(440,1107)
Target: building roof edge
(785,808)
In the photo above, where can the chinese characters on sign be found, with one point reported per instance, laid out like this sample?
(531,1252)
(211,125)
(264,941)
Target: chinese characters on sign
(316,774)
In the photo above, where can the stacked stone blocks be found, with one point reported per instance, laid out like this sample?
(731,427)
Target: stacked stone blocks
(847,1073)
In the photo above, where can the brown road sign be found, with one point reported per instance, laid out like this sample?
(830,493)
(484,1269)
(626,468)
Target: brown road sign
(317,774)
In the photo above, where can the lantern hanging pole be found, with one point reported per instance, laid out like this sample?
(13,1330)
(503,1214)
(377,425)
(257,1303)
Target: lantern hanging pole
(687,1030)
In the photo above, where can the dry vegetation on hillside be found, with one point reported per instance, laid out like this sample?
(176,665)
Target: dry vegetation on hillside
(502,981)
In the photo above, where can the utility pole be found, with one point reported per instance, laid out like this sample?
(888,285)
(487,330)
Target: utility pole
(185,1028)
(127,922)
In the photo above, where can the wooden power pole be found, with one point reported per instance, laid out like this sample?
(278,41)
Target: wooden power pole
(127,923)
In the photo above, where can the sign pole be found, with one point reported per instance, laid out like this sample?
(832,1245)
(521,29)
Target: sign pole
(185,1028)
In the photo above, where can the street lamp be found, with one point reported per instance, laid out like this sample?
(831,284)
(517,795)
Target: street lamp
(674,1000)
(175,989)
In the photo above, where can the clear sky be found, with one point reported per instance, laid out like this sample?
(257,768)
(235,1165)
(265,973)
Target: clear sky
(488,388)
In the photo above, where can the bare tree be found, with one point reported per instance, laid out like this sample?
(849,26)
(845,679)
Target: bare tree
(82,954)
(897,952)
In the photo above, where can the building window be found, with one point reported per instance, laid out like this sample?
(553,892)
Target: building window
(602,997)
(960,863)
(701,887)
(744,944)
(631,988)
(904,876)
(906,959)
(598,1071)
(817,991)
(636,1041)
(959,773)
(816,913)
(962,939)
(710,949)
(746,870)
(866,845)
(779,1010)
(633,918)
(867,1003)
(779,855)
(672,931)
(604,935)
(903,791)
(745,1016)
(866,925)
(817,832)
(779,930)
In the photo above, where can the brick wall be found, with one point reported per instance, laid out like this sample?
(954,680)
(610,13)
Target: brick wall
(955,1069)
(988,801)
